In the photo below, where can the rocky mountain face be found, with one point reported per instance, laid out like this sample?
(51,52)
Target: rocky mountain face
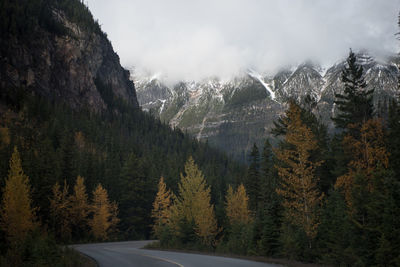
(234,114)
(63,60)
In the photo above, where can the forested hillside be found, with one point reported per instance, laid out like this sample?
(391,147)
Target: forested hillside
(313,197)
(70,115)
(81,162)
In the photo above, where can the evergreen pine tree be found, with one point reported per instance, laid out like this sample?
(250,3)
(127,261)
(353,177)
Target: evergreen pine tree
(355,106)
(67,157)
(253,178)
(270,209)
(44,174)
(134,205)
(268,181)
(336,231)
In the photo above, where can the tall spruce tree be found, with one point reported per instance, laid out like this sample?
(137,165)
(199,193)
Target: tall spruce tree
(253,178)
(67,148)
(268,180)
(355,106)
(270,209)
(133,204)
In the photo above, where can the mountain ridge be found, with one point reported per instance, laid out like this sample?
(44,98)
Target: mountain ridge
(207,108)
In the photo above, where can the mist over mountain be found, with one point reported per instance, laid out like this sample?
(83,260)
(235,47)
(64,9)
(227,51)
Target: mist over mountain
(183,40)
(234,114)
(180,150)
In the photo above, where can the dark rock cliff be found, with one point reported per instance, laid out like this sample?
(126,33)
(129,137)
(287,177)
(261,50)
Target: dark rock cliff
(65,65)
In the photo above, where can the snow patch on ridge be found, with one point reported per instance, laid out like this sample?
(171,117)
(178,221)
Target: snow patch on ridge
(162,105)
(258,77)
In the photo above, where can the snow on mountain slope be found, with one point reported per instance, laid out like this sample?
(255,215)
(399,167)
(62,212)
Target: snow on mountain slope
(258,76)
(233,114)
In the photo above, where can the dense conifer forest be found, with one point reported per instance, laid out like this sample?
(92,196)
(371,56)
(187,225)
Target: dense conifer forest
(313,197)
(71,175)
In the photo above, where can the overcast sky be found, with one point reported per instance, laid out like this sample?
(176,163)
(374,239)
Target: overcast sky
(188,39)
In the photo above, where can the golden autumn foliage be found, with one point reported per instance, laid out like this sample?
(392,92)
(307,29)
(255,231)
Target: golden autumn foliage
(79,139)
(104,218)
(161,206)
(237,207)
(17,213)
(71,213)
(79,203)
(204,217)
(193,204)
(298,185)
(60,211)
(4,137)
(367,154)
(175,216)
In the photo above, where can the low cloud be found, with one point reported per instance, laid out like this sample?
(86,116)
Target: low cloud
(191,40)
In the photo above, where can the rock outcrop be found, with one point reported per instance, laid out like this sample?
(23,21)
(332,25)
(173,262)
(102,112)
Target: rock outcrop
(66,67)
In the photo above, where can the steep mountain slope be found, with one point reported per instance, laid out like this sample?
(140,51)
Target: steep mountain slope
(234,114)
(56,50)
(70,109)
(230,114)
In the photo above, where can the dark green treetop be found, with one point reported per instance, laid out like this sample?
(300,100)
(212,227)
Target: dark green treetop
(355,105)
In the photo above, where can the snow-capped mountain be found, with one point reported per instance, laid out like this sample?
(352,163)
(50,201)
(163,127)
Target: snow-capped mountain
(234,114)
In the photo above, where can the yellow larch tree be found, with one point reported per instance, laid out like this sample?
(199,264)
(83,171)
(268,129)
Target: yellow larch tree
(193,203)
(298,185)
(161,206)
(79,204)
(175,216)
(4,137)
(237,206)
(17,212)
(367,154)
(60,211)
(104,214)
(204,217)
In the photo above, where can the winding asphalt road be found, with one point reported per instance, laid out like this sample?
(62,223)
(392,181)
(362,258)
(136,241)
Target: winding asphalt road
(126,254)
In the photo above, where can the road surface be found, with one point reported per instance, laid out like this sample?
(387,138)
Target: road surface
(126,254)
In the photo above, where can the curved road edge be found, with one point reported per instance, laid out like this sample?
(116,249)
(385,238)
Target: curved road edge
(130,253)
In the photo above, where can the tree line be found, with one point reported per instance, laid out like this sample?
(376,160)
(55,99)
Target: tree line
(18,214)
(123,149)
(313,197)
